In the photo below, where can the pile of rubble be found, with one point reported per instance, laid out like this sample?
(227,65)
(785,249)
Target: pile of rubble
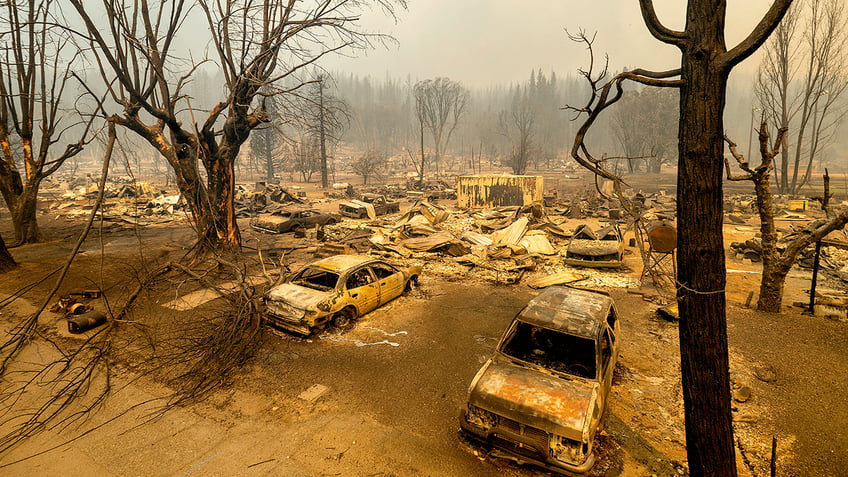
(139,202)
(502,245)
(264,199)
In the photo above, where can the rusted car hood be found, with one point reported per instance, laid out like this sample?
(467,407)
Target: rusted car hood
(296,295)
(553,404)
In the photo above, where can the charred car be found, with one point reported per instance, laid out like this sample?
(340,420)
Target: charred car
(371,206)
(287,220)
(603,248)
(541,396)
(430,190)
(335,291)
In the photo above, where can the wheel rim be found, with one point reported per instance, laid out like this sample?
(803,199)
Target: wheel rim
(343,319)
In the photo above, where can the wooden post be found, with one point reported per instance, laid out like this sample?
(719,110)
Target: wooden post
(773,472)
(815,278)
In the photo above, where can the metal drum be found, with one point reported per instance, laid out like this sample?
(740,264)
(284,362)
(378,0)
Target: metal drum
(662,237)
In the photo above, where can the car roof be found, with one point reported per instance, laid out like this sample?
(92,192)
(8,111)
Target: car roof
(341,263)
(574,311)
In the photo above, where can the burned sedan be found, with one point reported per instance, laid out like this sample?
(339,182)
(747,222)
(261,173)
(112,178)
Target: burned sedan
(596,249)
(335,290)
(287,220)
(541,396)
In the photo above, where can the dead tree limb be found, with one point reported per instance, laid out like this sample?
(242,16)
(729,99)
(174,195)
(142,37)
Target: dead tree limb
(24,331)
(602,96)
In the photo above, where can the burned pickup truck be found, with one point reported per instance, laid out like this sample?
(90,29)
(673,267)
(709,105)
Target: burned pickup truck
(371,206)
(603,248)
(541,396)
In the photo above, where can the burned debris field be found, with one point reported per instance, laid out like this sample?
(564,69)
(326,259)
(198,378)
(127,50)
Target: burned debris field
(401,238)
(383,391)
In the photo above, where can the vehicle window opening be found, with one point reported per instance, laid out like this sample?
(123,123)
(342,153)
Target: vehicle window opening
(611,318)
(316,279)
(359,278)
(552,349)
(606,348)
(382,271)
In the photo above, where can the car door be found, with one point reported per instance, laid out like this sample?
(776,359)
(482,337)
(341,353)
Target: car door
(362,289)
(295,221)
(391,281)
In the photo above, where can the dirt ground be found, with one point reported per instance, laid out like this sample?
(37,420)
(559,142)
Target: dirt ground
(395,383)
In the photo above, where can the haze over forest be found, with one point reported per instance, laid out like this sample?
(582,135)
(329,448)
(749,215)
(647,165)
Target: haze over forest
(494,50)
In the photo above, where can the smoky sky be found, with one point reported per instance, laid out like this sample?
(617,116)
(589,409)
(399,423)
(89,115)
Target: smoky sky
(484,42)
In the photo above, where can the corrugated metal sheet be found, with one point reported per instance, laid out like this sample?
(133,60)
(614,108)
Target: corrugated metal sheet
(498,191)
(537,242)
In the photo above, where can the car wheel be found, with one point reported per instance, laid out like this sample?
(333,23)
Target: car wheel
(344,318)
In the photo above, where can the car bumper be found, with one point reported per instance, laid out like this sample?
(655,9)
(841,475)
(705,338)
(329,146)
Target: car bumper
(265,229)
(576,262)
(298,327)
(513,444)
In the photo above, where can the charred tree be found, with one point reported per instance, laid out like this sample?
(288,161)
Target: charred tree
(369,165)
(800,82)
(705,66)
(326,119)
(260,46)
(440,104)
(776,263)
(517,125)
(6,261)
(32,118)
(267,141)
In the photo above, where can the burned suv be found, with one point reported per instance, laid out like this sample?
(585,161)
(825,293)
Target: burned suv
(541,396)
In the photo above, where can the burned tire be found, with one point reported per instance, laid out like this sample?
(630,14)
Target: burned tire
(344,319)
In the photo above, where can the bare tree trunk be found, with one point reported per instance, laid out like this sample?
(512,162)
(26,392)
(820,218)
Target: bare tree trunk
(421,172)
(22,200)
(771,288)
(222,188)
(774,277)
(322,136)
(23,216)
(700,257)
(6,261)
(269,161)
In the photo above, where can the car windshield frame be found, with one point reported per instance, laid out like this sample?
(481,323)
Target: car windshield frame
(316,278)
(552,350)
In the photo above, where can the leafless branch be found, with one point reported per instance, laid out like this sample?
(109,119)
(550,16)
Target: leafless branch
(758,35)
(657,29)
